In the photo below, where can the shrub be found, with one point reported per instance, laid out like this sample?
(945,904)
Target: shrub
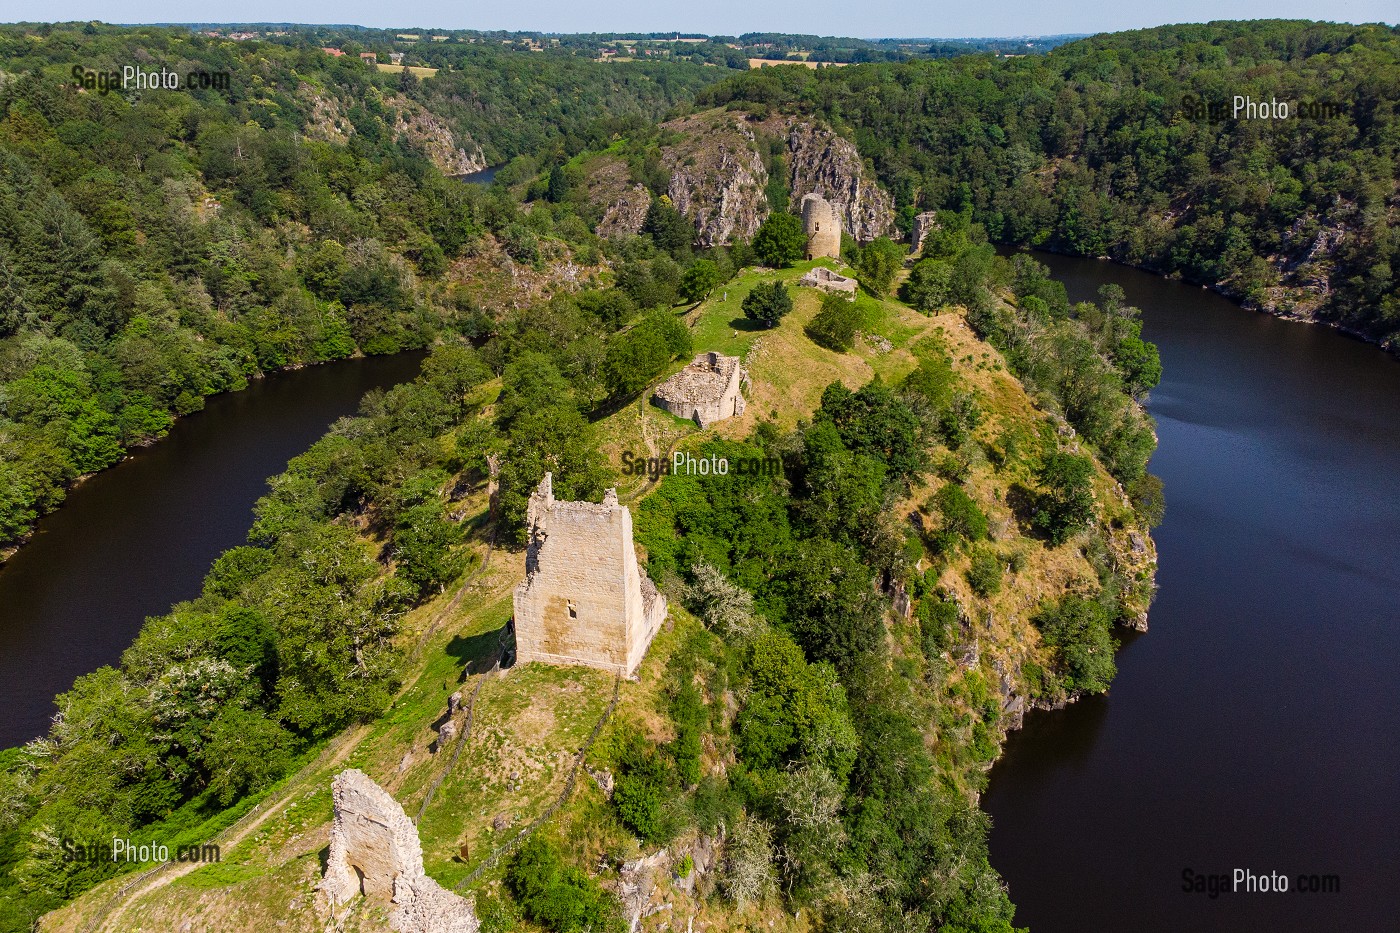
(557,896)
(1066,505)
(985,573)
(1078,630)
(644,786)
(962,519)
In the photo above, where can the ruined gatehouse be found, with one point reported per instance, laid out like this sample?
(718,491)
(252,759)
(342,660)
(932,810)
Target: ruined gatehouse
(585,599)
(375,851)
(822,224)
(710,389)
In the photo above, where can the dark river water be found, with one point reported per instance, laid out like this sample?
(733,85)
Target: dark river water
(1257,725)
(131,541)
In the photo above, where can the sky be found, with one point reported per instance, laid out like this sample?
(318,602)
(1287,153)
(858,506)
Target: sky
(860,18)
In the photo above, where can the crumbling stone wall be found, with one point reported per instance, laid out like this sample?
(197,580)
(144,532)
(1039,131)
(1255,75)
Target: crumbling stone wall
(375,851)
(710,389)
(584,599)
(822,224)
(829,281)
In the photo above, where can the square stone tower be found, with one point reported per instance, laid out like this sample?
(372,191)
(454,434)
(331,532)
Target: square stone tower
(584,600)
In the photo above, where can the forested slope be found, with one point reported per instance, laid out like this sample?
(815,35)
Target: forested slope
(161,246)
(1125,145)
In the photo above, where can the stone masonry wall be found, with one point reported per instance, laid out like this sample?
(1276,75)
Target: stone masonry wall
(709,389)
(582,601)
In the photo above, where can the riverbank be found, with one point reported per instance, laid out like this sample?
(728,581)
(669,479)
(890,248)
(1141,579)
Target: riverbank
(10,548)
(1235,735)
(139,536)
(1283,310)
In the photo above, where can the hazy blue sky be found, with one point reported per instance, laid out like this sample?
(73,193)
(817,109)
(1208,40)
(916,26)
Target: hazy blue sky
(864,18)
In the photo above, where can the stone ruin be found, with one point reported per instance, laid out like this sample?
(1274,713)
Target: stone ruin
(706,391)
(375,852)
(923,224)
(829,281)
(584,600)
(822,224)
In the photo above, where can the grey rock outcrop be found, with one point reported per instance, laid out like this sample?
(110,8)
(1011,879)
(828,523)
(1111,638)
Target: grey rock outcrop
(820,162)
(441,146)
(717,177)
(375,851)
(624,202)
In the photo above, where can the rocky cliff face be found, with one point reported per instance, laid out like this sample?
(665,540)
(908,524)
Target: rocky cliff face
(717,177)
(450,155)
(609,185)
(326,120)
(820,162)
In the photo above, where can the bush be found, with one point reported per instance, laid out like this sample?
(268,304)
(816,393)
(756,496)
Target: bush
(559,897)
(962,519)
(645,785)
(984,575)
(767,303)
(1067,503)
(1078,630)
(836,323)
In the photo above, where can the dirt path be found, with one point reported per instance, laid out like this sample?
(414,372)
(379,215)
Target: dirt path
(335,752)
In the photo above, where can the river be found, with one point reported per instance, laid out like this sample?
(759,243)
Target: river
(133,540)
(1255,726)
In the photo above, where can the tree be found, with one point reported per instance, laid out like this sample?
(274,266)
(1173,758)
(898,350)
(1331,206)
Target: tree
(668,227)
(1066,503)
(836,323)
(1078,630)
(699,280)
(767,302)
(780,241)
(877,263)
(929,286)
(1140,363)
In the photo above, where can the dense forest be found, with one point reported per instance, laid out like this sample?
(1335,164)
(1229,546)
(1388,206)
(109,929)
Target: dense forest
(156,248)
(1125,145)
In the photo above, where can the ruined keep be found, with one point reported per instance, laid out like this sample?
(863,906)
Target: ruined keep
(706,391)
(822,224)
(923,224)
(584,599)
(375,851)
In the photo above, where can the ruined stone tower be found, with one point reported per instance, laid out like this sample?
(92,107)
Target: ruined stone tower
(923,224)
(822,225)
(584,600)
